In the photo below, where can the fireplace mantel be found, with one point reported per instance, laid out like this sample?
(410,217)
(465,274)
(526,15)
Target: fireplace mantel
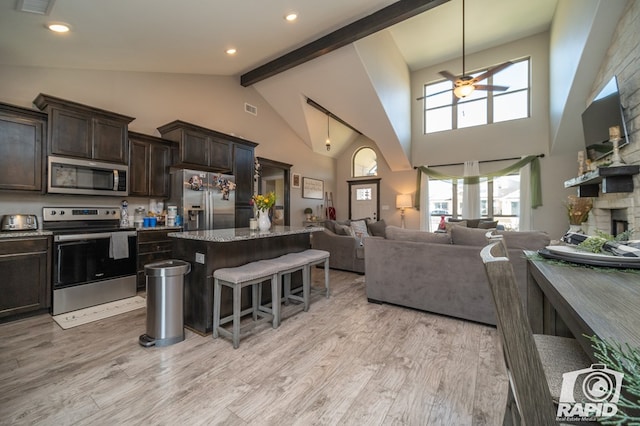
(613,179)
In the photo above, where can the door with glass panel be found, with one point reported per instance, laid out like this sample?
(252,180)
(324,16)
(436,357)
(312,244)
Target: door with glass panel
(364,199)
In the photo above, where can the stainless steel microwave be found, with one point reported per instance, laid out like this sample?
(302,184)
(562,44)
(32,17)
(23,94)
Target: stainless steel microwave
(86,177)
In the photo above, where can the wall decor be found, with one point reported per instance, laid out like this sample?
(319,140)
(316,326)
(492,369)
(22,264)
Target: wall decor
(312,188)
(295,180)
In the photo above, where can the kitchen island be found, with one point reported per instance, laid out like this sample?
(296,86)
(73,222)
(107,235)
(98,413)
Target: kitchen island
(224,248)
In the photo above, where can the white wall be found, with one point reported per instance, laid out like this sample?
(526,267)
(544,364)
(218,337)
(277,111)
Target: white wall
(155,99)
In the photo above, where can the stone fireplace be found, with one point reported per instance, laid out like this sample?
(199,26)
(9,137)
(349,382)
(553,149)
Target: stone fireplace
(615,213)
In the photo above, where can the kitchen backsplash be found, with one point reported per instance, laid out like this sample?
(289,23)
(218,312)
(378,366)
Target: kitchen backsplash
(12,203)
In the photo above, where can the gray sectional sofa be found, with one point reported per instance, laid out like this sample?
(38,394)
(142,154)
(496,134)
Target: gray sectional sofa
(347,252)
(441,273)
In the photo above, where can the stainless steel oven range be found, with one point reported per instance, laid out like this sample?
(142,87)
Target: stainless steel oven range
(94,259)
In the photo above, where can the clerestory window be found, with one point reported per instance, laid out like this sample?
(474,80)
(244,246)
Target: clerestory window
(481,107)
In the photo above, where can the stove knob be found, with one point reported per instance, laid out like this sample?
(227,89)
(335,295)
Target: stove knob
(53,212)
(61,212)
(113,212)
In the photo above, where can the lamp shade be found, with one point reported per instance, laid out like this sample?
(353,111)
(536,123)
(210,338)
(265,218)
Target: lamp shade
(403,201)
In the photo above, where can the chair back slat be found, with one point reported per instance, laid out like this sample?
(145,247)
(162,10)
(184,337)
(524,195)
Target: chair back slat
(531,390)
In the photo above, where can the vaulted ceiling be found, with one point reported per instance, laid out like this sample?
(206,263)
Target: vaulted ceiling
(365,83)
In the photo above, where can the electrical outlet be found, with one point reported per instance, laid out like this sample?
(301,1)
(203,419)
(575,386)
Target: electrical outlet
(200,258)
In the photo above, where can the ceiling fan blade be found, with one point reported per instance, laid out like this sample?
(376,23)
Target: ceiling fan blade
(492,71)
(491,87)
(449,76)
(433,94)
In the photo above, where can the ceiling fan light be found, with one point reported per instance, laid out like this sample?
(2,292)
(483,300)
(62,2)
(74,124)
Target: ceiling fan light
(463,91)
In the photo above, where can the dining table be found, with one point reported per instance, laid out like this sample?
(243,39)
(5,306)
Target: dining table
(569,299)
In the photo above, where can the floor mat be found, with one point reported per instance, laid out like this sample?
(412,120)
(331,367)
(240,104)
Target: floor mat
(95,313)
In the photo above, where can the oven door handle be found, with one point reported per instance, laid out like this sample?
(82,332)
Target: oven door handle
(96,236)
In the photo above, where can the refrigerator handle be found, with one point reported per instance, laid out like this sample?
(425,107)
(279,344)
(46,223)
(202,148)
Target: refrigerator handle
(207,207)
(211,194)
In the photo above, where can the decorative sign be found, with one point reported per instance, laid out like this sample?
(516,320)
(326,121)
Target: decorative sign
(312,188)
(295,180)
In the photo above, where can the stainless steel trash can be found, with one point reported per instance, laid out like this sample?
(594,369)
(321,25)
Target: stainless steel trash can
(165,301)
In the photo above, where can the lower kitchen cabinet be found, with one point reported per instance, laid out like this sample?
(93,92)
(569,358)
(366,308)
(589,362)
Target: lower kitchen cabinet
(153,246)
(25,267)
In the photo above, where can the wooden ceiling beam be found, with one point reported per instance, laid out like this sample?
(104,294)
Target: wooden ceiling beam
(383,18)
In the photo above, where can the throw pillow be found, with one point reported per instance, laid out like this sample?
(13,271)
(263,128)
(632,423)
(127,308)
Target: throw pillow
(359,228)
(330,225)
(342,229)
(472,223)
(401,234)
(487,224)
(469,236)
(377,229)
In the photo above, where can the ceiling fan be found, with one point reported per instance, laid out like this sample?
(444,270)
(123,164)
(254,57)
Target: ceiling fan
(465,85)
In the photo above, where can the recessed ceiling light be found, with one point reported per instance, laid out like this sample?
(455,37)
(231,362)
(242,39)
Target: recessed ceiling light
(231,51)
(291,16)
(58,27)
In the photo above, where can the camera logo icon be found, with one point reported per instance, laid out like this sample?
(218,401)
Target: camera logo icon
(590,393)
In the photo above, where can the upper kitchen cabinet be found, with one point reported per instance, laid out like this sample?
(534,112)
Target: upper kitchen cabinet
(22,133)
(78,130)
(200,148)
(149,162)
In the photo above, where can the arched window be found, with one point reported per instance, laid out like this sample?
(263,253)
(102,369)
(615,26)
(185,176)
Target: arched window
(365,163)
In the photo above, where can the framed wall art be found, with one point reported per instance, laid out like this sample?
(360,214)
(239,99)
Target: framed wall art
(312,188)
(295,180)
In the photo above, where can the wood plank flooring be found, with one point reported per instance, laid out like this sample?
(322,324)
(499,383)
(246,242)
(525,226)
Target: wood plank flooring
(345,362)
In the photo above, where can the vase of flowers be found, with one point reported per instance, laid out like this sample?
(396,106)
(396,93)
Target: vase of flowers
(263,203)
(578,209)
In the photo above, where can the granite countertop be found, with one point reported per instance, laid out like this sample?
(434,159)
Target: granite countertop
(23,234)
(238,234)
(160,228)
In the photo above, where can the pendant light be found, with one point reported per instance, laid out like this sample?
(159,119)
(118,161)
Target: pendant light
(327,143)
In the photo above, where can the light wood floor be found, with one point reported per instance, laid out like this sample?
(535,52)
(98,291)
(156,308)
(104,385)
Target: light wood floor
(346,361)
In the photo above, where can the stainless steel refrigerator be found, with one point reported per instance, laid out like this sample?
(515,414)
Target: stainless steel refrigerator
(205,200)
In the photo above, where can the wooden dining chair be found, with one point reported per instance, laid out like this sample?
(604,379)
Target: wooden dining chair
(535,363)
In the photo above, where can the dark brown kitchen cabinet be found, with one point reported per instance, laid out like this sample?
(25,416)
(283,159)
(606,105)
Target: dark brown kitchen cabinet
(22,133)
(199,148)
(77,130)
(26,276)
(149,161)
(153,246)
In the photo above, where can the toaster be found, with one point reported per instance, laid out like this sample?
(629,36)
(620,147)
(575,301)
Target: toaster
(19,222)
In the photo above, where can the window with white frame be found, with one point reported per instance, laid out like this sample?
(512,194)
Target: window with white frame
(499,199)
(481,107)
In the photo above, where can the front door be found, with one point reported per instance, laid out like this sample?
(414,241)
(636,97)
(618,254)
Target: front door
(364,199)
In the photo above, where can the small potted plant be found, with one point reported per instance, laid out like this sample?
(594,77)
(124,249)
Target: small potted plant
(308,212)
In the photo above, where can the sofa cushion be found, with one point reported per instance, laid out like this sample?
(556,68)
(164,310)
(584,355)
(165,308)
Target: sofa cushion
(449,225)
(525,240)
(401,234)
(473,223)
(469,236)
(377,229)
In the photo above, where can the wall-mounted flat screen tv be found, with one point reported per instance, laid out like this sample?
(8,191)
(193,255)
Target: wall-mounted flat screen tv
(605,111)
